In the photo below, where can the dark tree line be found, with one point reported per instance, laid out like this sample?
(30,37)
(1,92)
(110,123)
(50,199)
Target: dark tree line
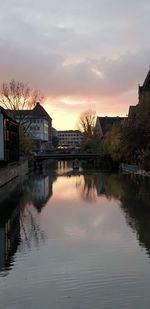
(130,141)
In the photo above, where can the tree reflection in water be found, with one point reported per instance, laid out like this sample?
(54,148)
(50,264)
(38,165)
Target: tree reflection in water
(20,226)
(31,231)
(87,189)
(133,194)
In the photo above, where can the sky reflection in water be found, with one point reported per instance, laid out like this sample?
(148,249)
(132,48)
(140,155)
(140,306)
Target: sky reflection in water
(76,241)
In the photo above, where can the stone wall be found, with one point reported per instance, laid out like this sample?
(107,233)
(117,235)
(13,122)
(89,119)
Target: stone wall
(12,171)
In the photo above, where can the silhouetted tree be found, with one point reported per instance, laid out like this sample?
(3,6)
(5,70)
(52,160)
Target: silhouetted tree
(130,142)
(87,123)
(135,138)
(17,96)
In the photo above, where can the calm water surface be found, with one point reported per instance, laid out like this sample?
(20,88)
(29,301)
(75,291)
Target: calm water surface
(76,241)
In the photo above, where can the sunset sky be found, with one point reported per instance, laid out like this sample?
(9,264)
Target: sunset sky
(81,54)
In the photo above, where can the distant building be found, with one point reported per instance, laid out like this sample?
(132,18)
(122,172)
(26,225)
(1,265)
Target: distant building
(37,124)
(103,124)
(9,138)
(69,138)
(54,132)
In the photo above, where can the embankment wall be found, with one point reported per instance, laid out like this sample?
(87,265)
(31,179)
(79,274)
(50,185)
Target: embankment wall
(13,170)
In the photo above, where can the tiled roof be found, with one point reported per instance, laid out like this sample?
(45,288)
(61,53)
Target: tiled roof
(107,122)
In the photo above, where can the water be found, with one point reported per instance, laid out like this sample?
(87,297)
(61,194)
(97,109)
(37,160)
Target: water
(76,241)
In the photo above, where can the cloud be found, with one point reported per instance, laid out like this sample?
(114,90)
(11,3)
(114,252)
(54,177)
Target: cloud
(88,51)
(86,78)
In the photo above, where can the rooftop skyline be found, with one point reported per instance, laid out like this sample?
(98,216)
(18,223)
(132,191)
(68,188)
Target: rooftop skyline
(87,54)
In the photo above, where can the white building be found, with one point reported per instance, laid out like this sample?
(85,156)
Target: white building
(37,124)
(69,138)
(38,129)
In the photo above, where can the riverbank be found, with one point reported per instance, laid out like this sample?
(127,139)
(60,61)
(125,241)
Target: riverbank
(13,170)
(133,169)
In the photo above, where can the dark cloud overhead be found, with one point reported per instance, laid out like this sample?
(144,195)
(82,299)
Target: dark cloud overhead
(87,49)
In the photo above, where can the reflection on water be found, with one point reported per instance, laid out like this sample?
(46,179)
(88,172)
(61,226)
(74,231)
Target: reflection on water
(9,238)
(40,189)
(133,194)
(87,188)
(18,221)
(72,240)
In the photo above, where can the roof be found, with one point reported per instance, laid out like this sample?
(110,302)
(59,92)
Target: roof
(146,84)
(132,110)
(37,112)
(23,112)
(107,122)
(5,113)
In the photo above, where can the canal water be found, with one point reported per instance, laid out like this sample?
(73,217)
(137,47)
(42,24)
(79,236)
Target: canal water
(75,240)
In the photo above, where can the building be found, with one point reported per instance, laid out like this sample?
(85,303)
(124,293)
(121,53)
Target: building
(9,138)
(144,90)
(69,138)
(144,97)
(103,124)
(37,124)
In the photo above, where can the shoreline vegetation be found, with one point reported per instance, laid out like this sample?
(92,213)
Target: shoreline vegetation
(133,169)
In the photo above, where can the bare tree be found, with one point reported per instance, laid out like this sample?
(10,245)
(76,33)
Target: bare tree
(87,123)
(18,96)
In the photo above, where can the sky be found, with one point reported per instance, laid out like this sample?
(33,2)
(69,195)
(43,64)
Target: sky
(82,55)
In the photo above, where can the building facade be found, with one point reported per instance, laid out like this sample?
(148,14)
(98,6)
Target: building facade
(69,138)
(37,124)
(9,138)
